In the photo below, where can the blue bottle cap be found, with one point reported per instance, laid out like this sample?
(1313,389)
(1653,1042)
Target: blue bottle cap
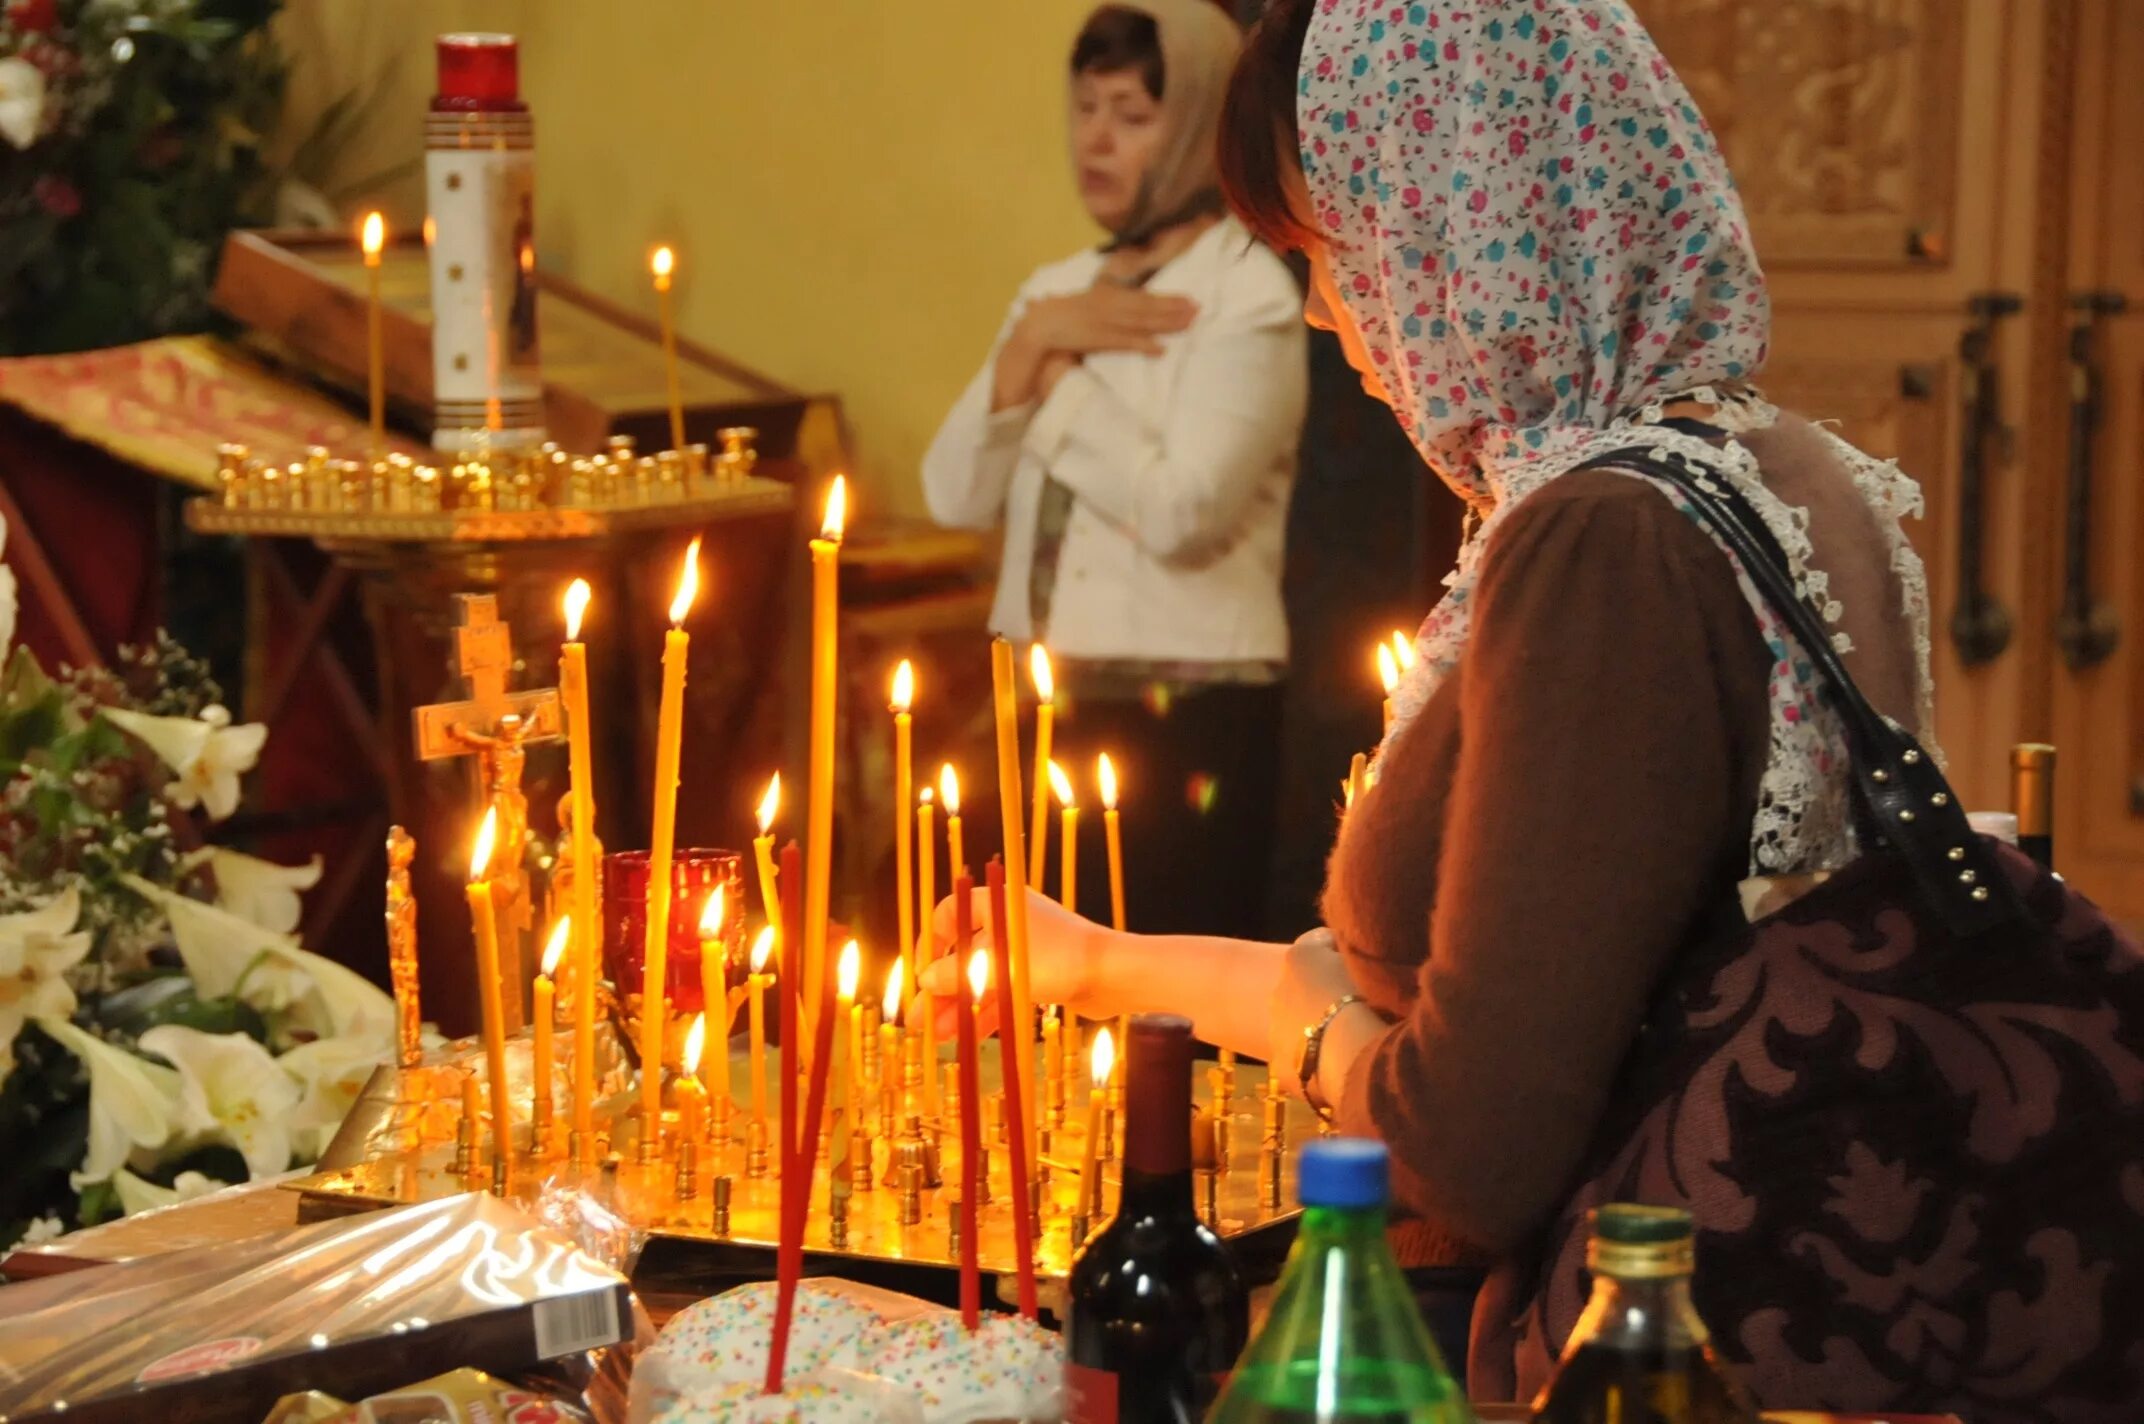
(1346,1172)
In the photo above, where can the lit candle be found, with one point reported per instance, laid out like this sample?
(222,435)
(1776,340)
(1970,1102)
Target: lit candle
(904,693)
(374,241)
(691,1097)
(949,792)
(587,926)
(927,885)
(1038,668)
(971,1105)
(849,1112)
(1005,710)
(1068,850)
(1403,650)
(715,994)
(756,987)
(485,922)
(663,264)
(546,1005)
(669,732)
(1388,672)
(819,819)
(889,1027)
(1105,775)
(1101,1062)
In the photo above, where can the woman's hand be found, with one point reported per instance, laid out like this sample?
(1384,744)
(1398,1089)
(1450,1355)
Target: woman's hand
(1064,955)
(1312,978)
(1102,318)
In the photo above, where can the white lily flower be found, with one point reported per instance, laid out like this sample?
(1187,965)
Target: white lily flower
(132,1102)
(230,1090)
(225,954)
(37,948)
(331,1072)
(139,1194)
(7,598)
(260,890)
(22,101)
(207,754)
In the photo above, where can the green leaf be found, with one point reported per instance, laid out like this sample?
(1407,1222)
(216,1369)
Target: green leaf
(170,999)
(100,1202)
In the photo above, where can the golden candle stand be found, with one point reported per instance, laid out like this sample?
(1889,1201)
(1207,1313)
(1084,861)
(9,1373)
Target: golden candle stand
(710,1220)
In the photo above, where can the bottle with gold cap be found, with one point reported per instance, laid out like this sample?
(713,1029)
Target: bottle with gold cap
(1640,1354)
(2032,796)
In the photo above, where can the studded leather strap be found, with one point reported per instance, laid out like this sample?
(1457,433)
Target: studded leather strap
(1900,794)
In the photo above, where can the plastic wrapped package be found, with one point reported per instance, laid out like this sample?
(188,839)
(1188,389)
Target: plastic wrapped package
(349,1307)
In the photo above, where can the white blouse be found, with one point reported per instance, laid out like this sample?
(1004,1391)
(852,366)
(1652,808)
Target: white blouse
(1181,466)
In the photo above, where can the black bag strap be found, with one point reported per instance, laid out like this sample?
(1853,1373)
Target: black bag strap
(1901,795)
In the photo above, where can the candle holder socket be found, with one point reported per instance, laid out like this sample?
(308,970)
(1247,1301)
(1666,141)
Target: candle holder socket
(724,1185)
(837,1221)
(687,1182)
(953,1209)
(860,1162)
(755,1148)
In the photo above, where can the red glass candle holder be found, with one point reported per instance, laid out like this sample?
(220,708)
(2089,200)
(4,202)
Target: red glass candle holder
(694,874)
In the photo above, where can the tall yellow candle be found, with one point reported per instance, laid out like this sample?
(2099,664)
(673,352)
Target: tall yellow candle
(373,241)
(715,995)
(669,734)
(848,1076)
(949,792)
(1045,680)
(485,923)
(1100,1064)
(904,692)
(1068,850)
(889,1027)
(819,813)
(587,924)
(756,993)
(1021,1032)
(542,1050)
(691,1097)
(1105,775)
(926,939)
(663,264)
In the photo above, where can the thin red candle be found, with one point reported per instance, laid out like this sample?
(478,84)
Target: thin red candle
(1023,1225)
(796,1187)
(971,1124)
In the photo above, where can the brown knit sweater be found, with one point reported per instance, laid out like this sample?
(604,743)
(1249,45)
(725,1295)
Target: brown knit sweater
(1569,810)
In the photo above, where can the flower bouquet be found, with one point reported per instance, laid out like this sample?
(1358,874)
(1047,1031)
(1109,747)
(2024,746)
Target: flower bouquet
(162,1033)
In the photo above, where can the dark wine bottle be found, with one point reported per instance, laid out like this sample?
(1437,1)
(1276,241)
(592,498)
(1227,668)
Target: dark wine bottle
(1640,1354)
(2032,797)
(1158,1312)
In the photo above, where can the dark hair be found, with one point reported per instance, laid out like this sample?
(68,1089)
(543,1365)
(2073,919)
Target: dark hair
(1259,132)
(1117,38)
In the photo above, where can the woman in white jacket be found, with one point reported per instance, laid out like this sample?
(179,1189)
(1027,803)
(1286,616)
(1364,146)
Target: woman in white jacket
(1134,432)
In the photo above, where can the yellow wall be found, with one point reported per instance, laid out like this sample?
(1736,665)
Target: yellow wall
(855,187)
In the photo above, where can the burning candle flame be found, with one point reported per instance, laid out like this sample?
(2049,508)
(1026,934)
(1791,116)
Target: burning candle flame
(1102,1060)
(1060,784)
(375,234)
(715,914)
(904,686)
(1403,649)
(556,949)
(577,596)
(1105,773)
(688,584)
(1038,668)
(926,796)
(487,836)
(890,1006)
(837,510)
(849,972)
(1388,668)
(695,1040)
(770,803)
(979,973)
(949,789)
(662,263)
(762,949)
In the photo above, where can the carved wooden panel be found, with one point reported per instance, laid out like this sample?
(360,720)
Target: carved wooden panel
(1839,117)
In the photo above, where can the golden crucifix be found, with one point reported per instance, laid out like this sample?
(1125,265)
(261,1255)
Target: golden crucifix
(496,726)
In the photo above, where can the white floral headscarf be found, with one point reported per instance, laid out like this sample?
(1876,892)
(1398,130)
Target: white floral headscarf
(1532,227)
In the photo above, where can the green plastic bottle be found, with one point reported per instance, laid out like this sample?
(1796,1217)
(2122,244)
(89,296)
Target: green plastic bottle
(1344,1340)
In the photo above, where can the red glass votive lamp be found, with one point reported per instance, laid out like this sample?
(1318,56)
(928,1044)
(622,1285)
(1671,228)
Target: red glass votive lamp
(694,874)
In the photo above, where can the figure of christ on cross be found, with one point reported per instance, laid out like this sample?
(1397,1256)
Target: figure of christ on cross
(496,726)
